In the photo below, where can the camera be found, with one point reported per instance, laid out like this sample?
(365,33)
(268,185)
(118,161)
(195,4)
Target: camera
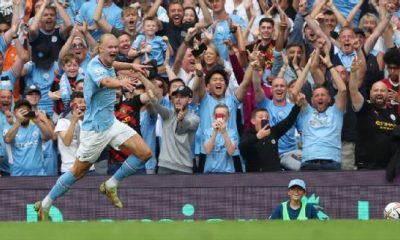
(30,114)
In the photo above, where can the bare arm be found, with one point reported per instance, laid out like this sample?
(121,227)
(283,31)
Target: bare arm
(240,40)
(66,48)
(206,14)
(12,132)
(68,135)
(249,26)
(317,9)
(35,25)
(316,73)
(92,43)
(383,23)
(340,18)
(209,146)
(317,29)
(45,126)
(302,78)
(113,83)
(230,147)
(361,68)
(357,100)
(182,50)
(340,100)
(67,24)
(153,10)
(388,37)
(282,34)
(353,12)
(199,85)
(8,36)
(20,60)
(258,91)
(97,17)
(149,85)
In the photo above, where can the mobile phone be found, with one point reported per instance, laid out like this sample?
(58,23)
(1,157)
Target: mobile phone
(264,122)
(30,114)
(219,116)
(200,50)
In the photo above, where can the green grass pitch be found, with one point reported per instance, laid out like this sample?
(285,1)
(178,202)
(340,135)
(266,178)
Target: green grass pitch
(307,230)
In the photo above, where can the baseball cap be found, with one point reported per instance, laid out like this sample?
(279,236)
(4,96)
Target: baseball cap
(184,91)
(297,182)
(31,89)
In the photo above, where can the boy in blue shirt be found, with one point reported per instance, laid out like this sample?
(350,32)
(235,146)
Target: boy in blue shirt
(150,45)
(220,143)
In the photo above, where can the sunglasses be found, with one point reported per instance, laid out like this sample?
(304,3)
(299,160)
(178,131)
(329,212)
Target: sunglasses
(78,46)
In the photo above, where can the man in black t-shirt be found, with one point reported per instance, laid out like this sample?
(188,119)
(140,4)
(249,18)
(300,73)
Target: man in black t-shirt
(44,37)
(175,29)
(375,122)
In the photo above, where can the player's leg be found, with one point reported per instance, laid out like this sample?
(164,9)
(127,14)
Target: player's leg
(90,147)
(62,186)
(130,140)
(140,154)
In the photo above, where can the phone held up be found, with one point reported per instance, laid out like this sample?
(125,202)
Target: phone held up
(200,50)
(264,122)
(30,115)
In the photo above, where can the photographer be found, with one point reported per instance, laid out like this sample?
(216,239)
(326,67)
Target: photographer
(25,139)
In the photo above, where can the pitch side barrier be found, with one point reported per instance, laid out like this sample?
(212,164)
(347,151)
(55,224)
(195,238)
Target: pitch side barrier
(213,197)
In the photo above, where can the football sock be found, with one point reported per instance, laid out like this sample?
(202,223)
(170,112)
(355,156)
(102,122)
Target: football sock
(131,165)
(62,185)
(46,202)
(112,182)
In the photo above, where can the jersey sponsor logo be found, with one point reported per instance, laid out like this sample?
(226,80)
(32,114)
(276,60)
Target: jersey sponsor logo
(99,72)
(385,126)
(319,120)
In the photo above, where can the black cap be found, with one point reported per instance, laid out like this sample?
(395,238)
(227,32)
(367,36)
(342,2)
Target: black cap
(184,91)
(31,89)
(359,31)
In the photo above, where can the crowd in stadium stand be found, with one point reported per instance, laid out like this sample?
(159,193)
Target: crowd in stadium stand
(221,86)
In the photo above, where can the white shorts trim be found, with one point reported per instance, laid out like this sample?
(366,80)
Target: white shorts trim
(93,143)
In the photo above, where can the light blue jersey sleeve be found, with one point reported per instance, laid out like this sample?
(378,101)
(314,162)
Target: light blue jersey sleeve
(97,73)
(138,40)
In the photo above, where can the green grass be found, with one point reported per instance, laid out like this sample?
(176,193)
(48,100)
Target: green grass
(339,229)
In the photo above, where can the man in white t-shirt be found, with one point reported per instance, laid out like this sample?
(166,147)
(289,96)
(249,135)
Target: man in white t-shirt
(68,130)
